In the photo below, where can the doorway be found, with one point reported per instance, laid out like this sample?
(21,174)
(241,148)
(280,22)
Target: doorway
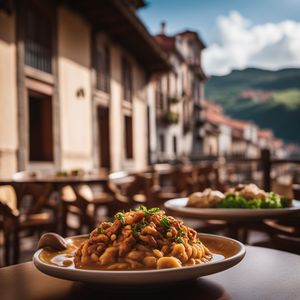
(40,128)
(103,137)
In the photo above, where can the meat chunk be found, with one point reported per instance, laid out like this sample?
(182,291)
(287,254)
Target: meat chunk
(126,245)
(114,228)
(134,217)
(150,230)
(148,239)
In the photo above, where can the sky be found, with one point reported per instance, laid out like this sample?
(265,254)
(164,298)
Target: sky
(237,33)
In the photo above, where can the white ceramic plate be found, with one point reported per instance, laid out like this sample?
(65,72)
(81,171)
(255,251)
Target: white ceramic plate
(228,252)
(179,208)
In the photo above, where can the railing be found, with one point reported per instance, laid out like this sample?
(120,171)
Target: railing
(38,56)
(264,164)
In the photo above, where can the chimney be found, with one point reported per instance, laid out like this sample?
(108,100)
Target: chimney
(163,27)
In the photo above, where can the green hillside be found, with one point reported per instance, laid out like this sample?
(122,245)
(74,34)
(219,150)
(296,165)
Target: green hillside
(281,111)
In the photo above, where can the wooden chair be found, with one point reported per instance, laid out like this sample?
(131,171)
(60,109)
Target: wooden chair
(15,223)
(179,183)
(81,202)
(207,176)
(75,206)
(284,233)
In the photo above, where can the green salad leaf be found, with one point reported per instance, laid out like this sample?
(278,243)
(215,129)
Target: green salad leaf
(272,200)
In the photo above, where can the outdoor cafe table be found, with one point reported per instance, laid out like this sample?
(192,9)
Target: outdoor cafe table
(56,182)
(262,274)
(237,224)
(52,184)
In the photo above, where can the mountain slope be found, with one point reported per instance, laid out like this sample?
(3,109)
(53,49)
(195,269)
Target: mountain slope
(269,98)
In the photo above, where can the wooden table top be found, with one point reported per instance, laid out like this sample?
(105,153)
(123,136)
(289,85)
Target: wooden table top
(56,180)
(262,274)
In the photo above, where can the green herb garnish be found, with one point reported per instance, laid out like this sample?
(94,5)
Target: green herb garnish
(180,233)
(142,208)
(138,227)
(121,216)
(99,230)
(178,240)
(165,222)
(152,211)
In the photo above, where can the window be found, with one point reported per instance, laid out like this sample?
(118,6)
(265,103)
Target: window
(102,67)
(103,137)
(38,37)
(40,128)
(162,143)
(127,79)
(159,95)
(175,145)
(128,137)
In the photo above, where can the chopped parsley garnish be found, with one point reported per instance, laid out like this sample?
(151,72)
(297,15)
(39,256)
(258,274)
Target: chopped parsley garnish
(180,233)
(138,227)
(165,222)
(152,211)
(178,240)
(142,208)
(99,230)
(121,216)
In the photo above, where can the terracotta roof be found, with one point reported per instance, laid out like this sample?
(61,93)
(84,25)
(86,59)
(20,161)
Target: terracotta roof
(194,35)
(215,118)
(277,143)
(212,106)
(265,133)
(214,114)
(259,96)
(168,44)
(237,124)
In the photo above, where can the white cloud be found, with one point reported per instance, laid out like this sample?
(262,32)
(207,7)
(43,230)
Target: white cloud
(238,45)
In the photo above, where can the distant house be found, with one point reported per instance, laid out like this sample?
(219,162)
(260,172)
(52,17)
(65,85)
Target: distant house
(265,136)
(244,139)
(73,79)
(178,97)
(277,148)
(226,136)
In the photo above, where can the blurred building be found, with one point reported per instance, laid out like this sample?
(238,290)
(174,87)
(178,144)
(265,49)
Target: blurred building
(216,132)
(73,80)
(178,94)
(84,85)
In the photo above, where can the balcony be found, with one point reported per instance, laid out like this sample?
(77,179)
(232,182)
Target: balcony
(174,99)
(168,118)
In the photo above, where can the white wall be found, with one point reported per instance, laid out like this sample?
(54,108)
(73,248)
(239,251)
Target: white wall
(74,61)
(140,130)
(224,140)
(8,96)
(139,115)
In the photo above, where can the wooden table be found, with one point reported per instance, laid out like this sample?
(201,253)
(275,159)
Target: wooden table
(51,184)
(237,224)
(263,274)
(56,182)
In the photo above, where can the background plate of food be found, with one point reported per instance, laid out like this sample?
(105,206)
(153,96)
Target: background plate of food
(243,201)
(139,247)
